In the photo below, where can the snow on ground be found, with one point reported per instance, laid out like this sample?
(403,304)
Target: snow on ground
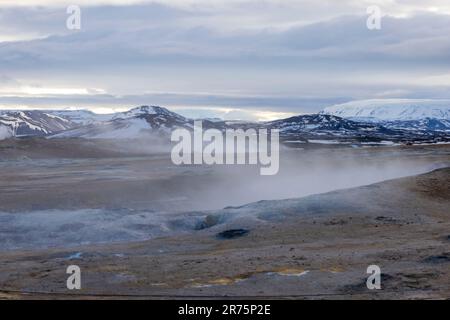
(327,141)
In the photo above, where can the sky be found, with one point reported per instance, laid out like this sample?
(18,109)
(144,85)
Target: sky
(240,59)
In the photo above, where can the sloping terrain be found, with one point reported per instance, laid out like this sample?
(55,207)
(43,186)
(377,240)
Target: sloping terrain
(33,123)
(314,247)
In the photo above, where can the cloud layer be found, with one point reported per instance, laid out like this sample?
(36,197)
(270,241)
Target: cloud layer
(289,56)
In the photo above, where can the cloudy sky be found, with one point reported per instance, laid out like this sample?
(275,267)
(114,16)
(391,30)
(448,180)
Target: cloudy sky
(231,58)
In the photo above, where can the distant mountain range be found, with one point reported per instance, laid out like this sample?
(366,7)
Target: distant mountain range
(372,121)
(392,110)
(131,124)
(32,123)
(400,114)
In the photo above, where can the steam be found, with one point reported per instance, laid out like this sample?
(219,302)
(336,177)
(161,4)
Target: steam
(5,132)
(141,197)
(302,172)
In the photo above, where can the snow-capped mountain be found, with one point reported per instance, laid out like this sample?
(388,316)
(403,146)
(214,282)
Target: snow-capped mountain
(115,129)
(32,123)
(146,110)
(330,129)
(157,117)
(81,117)
(422,125)
(146,121)
(87,117)
(420,116)
(391,110)
(324,123)
(130,124)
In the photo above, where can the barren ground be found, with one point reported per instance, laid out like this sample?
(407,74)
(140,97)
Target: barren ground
(315,247)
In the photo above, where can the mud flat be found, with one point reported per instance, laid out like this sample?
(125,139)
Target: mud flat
(70,174)
(316,247)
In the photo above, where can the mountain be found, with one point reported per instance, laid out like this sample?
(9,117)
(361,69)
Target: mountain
(32,123)
(81,117)
(424,117)
(424,126)
(324,123)
(365,122)
(150,119)
(114,129)
(130,124)
(391,110)
(157,117)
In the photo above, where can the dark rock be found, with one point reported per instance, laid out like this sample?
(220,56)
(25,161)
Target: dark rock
(233,233)
(336,222)
(385,219)
(442,258)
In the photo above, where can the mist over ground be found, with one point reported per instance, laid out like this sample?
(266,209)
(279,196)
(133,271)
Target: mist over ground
(129,192)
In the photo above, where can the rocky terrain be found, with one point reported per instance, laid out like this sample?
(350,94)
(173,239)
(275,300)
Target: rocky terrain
(100,192)
(314,247)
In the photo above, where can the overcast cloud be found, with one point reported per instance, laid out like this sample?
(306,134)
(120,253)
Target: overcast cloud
(267,56)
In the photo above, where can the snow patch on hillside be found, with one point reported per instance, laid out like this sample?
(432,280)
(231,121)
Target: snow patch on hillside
(117,129)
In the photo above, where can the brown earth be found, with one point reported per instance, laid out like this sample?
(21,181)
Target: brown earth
(318,248)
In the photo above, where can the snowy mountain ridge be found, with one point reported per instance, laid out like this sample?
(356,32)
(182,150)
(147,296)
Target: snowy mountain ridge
(152,121)
(391,110)
(134,123)
(81,117)
(32,123)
